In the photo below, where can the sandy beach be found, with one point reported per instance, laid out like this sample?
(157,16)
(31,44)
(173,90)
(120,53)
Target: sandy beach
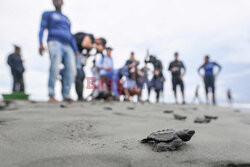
(38,134)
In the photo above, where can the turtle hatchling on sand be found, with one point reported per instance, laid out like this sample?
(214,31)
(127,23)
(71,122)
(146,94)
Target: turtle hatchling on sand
(168,139)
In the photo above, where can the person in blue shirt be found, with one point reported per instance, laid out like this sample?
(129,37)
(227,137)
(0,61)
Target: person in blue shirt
(105,65)
(62,49)
(209,76)
(16,65)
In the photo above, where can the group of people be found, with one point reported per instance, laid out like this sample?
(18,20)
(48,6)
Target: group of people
(73,50)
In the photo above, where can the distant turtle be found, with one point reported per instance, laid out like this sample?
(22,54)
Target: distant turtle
(202,120)
(130,108)
(210,117)
(107,108)
(168,139)
(63,106)
(168,111)
(179,117)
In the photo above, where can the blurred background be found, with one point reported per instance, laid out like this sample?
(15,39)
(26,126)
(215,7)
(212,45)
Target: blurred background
(193,28)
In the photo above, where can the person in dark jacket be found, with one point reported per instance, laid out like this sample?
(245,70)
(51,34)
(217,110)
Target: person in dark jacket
(16,65)
(157,67)
(85,43)
(178,71)
(157,83)
(156,63)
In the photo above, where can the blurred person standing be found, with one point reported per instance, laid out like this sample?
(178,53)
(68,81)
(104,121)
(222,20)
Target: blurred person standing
(209,76)
(197,95)
(157,83)
(62,49)
(178,71)
(17,69)
(229,96)
(157,64)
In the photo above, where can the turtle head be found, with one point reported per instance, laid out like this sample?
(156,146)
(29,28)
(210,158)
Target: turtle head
(185,135)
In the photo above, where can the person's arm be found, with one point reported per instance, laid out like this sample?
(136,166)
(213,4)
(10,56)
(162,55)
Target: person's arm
(199,70)
(219,68)
(184,69)
(170,67)
(9,61)
(99,63)
(112,64)
(44,25)
(160,66)
(73,44)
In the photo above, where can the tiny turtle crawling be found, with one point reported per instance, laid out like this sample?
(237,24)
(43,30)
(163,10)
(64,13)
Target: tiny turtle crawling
(168,111)
(168,139)
(180,117)
(210,117)
(107,108)
(202,120)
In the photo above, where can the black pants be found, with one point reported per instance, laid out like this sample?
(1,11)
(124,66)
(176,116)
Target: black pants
(177,81)
(18,84)
(157,91)
(209,83)
(79,83)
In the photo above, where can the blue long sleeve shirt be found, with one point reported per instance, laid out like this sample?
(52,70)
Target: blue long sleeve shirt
(209,68)
(58,26)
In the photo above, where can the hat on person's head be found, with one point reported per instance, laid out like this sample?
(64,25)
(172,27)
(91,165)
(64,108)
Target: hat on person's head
(132,53)
(109,48)
(176,53)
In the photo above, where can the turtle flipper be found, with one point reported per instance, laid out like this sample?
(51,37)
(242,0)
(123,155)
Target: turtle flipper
(159,147)
(175,144)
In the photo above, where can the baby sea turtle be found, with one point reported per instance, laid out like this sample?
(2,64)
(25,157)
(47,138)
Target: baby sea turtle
(168,139)
(130,108)
(211,117)
(202,120)
(168,111)
(179,117)
(107,108)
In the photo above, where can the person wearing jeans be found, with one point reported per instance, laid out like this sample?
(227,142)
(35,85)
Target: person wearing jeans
(61,53)
(62,49)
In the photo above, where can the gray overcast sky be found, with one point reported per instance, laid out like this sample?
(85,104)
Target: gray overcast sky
(194,28)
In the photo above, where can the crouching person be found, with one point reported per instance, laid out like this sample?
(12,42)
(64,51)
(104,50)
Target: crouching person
(130,87)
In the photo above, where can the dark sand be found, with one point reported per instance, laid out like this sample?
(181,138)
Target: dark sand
(87,135)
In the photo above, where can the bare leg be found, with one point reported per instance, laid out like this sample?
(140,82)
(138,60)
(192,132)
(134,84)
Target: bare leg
(127,94)
(207,98)
(175,96)
(183,98)
(214,100)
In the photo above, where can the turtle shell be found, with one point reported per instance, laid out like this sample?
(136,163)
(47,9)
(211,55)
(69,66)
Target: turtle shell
(162,136)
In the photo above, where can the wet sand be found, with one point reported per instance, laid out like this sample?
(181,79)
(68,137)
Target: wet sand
(108,134)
